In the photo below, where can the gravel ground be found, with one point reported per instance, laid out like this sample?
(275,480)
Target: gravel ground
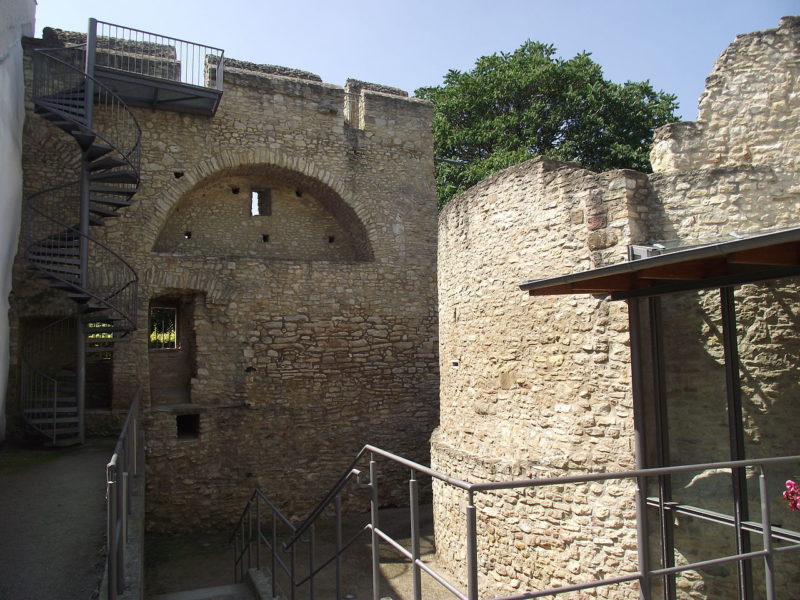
(52,521)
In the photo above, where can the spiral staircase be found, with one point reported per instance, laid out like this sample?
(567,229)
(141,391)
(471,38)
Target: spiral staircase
(60,249)
(86,90)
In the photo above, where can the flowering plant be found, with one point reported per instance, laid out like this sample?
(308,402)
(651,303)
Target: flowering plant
(792,494)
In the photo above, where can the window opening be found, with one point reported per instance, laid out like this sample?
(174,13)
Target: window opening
(177,174)
(331,239)
(265,237)
(260,203)
(187,235)
(163,328)
(187,426)
(235,190)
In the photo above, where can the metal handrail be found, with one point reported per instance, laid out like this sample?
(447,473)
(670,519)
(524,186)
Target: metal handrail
(245,537)
(146,53)
(124,463)
(122,120)
(128,280)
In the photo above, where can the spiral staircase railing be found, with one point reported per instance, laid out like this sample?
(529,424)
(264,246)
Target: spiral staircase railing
(58,247)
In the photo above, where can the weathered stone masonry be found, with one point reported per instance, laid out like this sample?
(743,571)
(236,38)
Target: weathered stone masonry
(312,329)
(534,387)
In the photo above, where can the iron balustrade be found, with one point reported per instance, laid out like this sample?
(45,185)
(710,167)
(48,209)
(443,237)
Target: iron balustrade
(60,80)
(111,283)
(145,53)
(249,536)
(124,464)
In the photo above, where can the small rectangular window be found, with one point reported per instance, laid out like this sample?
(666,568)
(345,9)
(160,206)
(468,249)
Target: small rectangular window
(187,426)
(163,328)
(260,203)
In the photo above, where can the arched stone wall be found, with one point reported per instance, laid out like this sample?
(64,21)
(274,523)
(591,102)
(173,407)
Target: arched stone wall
(349,211)
(308,220)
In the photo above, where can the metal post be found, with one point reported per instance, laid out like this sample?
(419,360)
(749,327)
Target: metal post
(662,446)
(413,493)
(373,503)
(338,506)
(736,433)
(638,384)
(312,548)
(119,530)
(472,548)
(258,533)
(111,532)
(766,530)
(292,563)
(273,557)
(80,342)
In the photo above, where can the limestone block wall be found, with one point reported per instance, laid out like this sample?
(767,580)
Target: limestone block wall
(734,172)
(750,102)
(535,387)
(541,387)
(303,347)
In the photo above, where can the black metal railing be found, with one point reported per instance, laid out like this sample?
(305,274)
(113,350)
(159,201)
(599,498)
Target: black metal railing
(125,464)
(51,233)
(47,392)
(261,519)
(61,86)
(146,53)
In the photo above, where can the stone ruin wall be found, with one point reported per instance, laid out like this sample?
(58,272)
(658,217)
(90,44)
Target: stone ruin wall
(303,349)
(535,387)
(543,384)
(734,171)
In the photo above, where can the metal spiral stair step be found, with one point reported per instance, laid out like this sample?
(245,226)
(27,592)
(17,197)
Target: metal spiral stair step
(102,211)
(107,162)
(116,176)
(111,189)
(110,201)
(97,150)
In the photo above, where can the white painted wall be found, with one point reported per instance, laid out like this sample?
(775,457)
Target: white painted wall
(16,20)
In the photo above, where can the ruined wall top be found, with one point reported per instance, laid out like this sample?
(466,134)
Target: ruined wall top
(748,112)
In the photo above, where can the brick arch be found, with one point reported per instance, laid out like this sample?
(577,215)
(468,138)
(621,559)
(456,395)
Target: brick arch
(216,290)
(352,212)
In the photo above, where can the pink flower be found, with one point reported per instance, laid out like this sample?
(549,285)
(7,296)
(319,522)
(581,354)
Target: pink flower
(792,494)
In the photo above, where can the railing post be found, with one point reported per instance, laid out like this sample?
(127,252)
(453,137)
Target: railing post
(258,533)
(91,53)
(119,529)
(413,493)
(338,546)
(472,548)
(766,529)
(312,548)
(111,530)
(273,557)
(373,503)
(292,563)
(641,537)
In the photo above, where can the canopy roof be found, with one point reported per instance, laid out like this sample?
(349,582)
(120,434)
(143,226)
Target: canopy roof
(756,258)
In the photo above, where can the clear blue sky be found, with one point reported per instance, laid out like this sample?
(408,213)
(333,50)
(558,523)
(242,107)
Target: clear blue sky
(413,43)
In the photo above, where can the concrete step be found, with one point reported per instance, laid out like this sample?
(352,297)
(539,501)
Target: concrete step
(236,591)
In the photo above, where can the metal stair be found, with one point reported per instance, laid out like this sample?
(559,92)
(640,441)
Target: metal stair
(59,249)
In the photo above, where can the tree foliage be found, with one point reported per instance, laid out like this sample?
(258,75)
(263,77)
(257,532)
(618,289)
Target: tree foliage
(513,106)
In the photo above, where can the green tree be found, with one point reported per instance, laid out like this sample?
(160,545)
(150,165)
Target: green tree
(513,106)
